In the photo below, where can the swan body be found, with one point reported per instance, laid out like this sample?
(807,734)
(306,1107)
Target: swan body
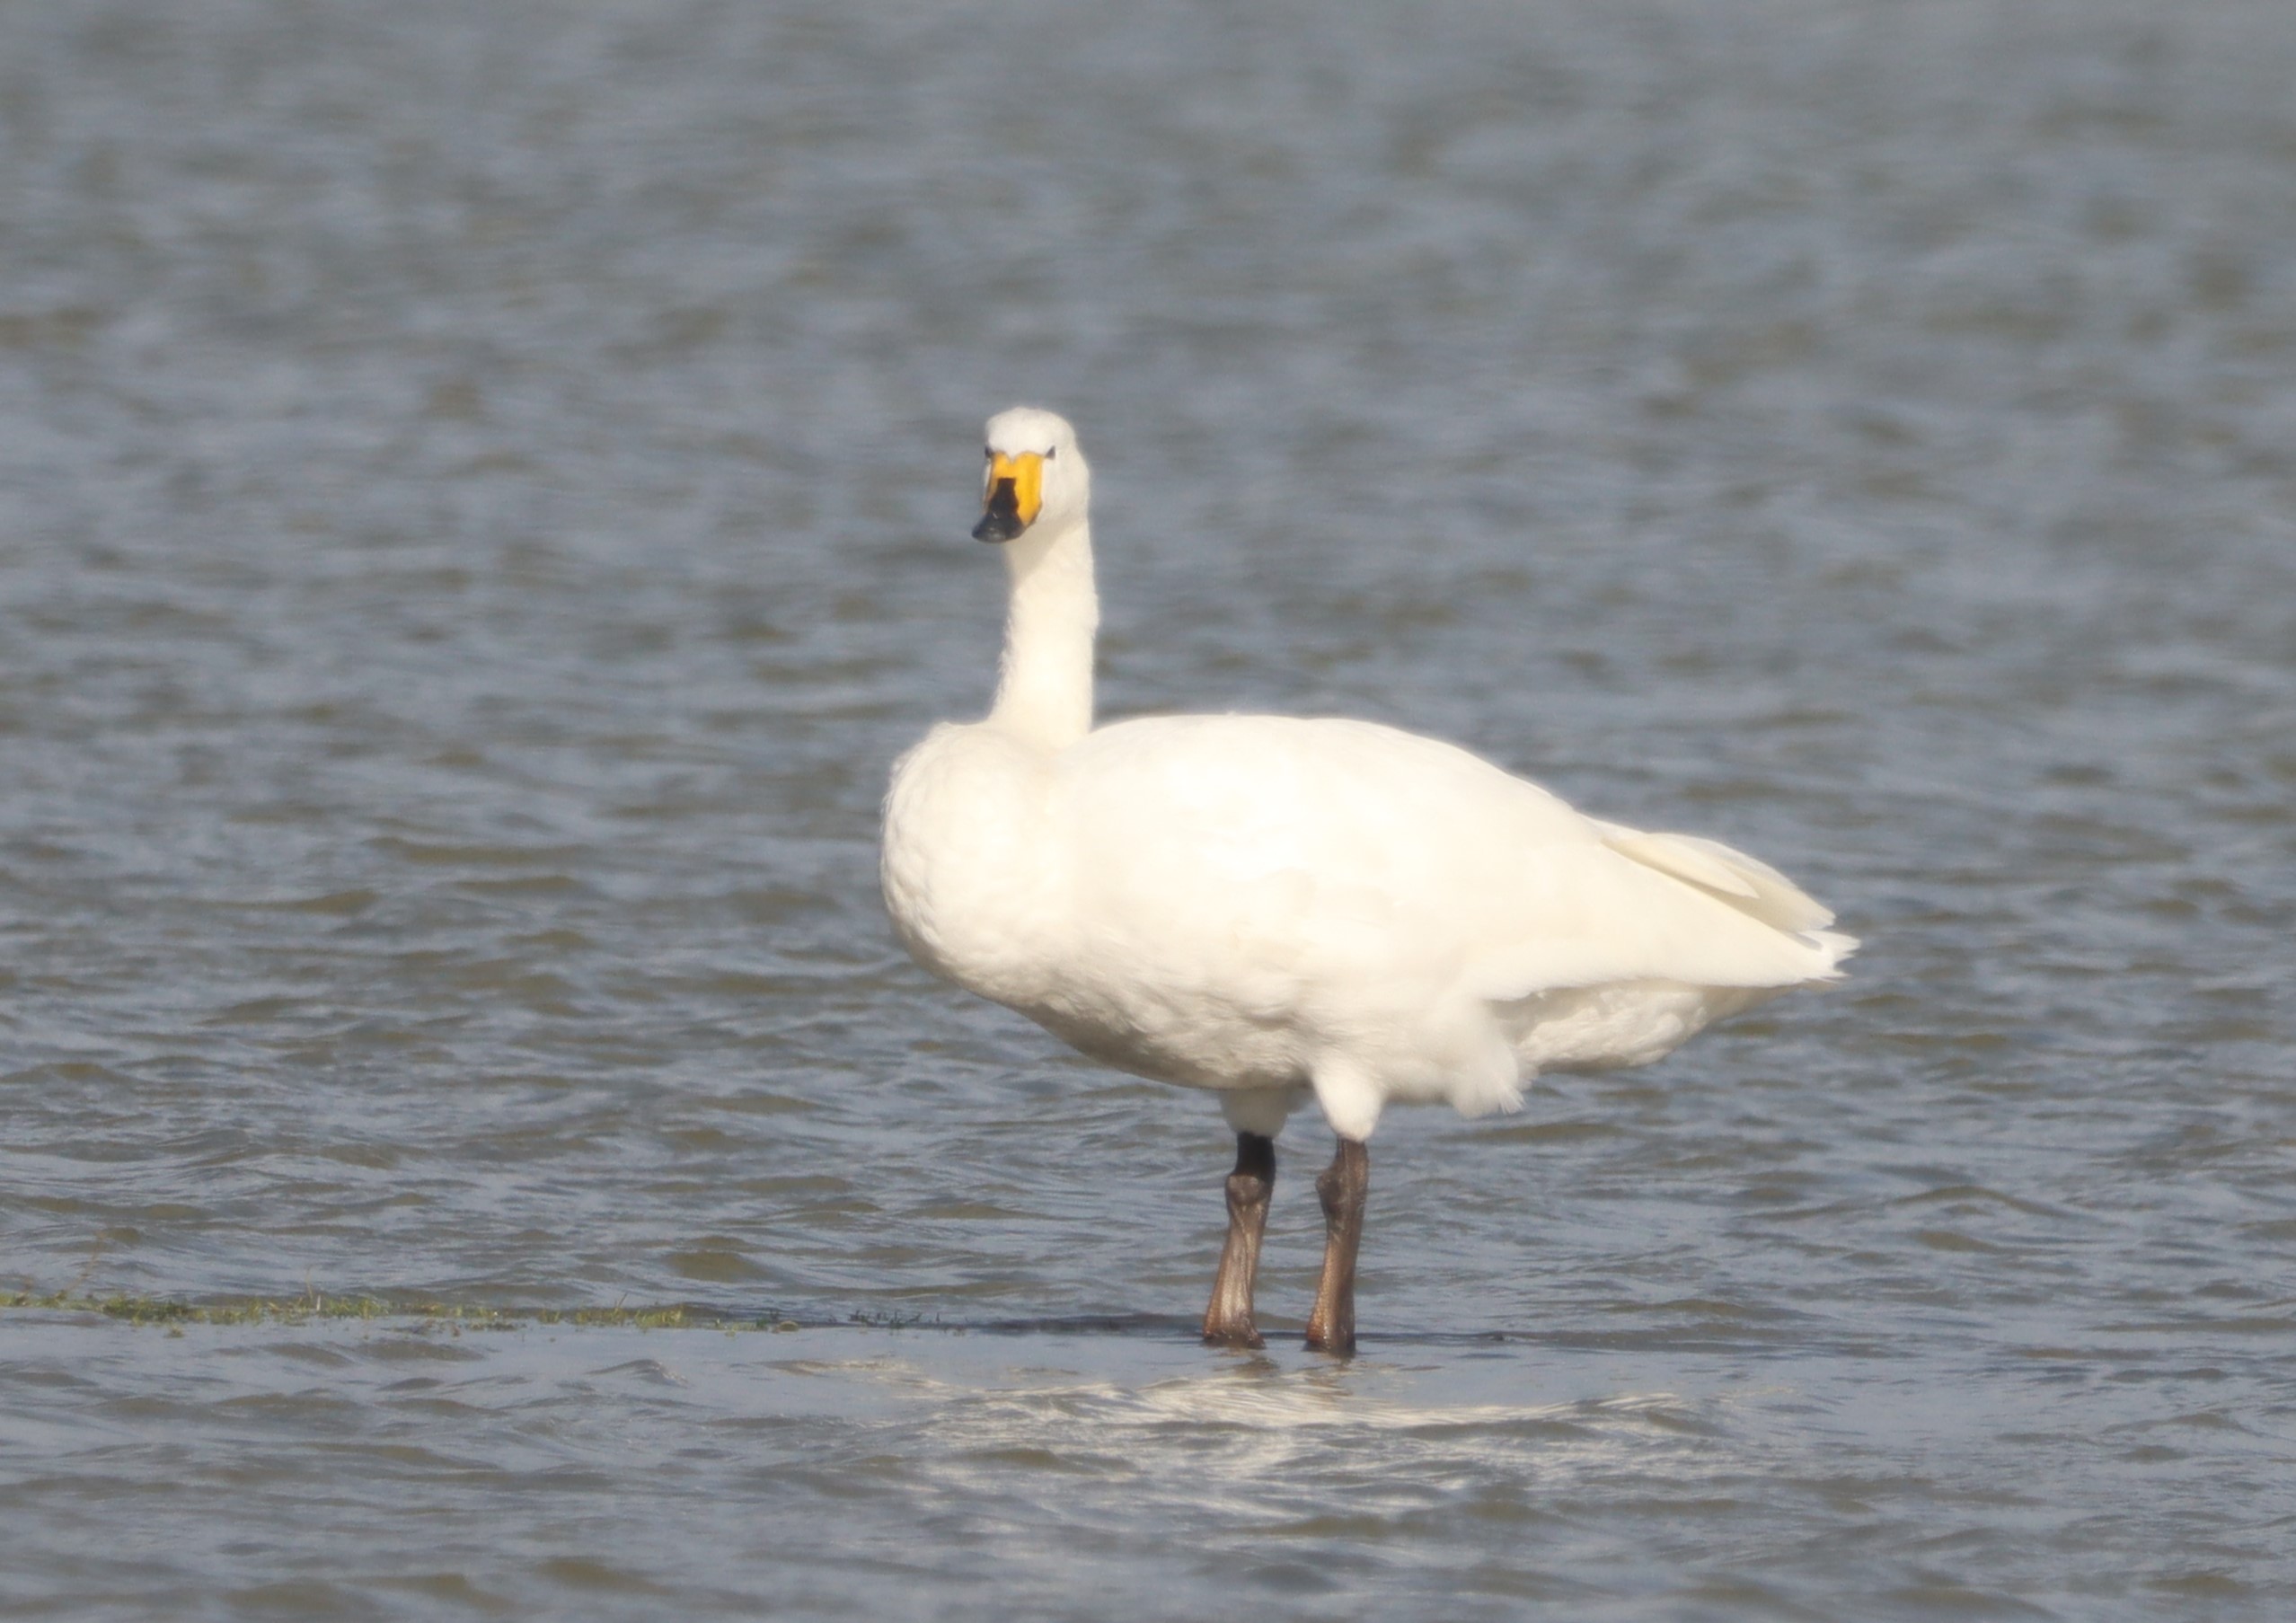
(1273,907)
(1254,903)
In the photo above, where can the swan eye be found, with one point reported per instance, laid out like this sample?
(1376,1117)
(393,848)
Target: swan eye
(987,454)
(1053,452)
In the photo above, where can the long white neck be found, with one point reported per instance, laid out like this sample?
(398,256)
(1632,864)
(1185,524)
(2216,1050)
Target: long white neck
(1043,691)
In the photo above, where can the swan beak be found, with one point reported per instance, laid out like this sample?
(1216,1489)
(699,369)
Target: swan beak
(1014,497)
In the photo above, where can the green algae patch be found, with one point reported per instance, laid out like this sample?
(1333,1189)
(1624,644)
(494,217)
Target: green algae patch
(319,1308)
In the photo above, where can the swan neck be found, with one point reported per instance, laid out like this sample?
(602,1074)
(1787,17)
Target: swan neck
(1044,692)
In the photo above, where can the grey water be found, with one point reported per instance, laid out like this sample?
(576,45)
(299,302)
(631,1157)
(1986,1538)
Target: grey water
(484,495)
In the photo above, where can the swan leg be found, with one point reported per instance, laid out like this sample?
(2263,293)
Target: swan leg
(1227,1322)
(1331,1327)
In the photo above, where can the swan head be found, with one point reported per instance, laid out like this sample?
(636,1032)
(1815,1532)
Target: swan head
(1035,477)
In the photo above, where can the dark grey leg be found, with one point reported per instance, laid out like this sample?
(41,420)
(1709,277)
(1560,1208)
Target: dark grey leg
(1331,1327)
(1227,1322)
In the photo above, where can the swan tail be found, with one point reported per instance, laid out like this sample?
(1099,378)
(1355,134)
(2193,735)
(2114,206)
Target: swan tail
(1835,945)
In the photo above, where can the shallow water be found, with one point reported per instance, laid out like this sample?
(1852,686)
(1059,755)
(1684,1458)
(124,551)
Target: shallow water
(482,498)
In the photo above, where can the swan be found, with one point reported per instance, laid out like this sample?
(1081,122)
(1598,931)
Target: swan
(1273,907)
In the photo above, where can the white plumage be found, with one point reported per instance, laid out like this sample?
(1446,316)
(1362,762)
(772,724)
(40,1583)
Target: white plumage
(1270,907)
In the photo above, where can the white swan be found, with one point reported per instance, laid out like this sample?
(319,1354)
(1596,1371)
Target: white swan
(1269,906)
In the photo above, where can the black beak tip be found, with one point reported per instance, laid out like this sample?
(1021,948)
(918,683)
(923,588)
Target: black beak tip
(1003,521)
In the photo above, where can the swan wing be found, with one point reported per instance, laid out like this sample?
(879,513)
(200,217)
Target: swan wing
(1752,884)
(1283,862)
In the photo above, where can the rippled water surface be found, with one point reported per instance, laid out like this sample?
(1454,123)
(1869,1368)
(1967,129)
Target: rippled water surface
(482,502)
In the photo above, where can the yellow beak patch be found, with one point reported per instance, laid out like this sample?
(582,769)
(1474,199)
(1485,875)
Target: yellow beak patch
(1027,472)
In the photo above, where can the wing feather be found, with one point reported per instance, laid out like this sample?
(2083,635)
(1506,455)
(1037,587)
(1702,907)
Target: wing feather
(1268,856)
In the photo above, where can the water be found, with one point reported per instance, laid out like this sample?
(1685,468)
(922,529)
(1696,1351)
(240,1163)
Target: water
(482,501)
